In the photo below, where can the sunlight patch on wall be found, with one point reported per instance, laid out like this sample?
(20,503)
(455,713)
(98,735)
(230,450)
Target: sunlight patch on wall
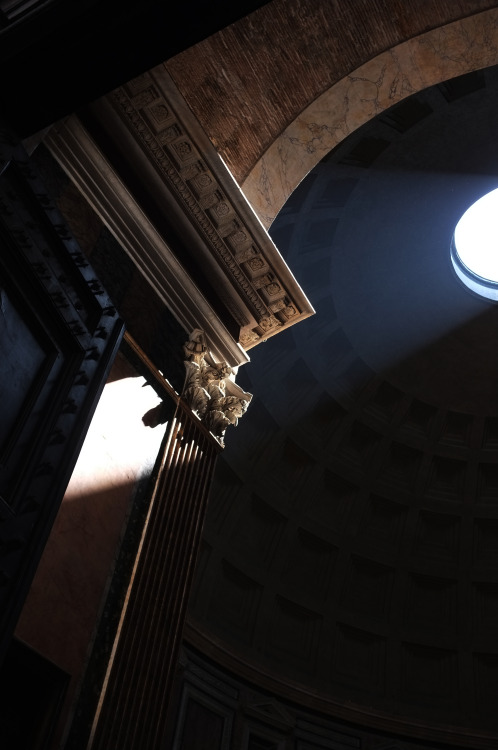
(118,447)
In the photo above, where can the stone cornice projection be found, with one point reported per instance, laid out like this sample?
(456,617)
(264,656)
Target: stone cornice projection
(151,124)
(90,170)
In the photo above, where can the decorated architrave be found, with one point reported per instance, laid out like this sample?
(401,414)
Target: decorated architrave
(144,163)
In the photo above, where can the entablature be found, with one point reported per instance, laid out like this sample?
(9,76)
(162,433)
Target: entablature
(144,163)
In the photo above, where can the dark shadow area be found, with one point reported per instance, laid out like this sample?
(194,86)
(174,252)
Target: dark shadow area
(32,691)
(74,595)
(49,48)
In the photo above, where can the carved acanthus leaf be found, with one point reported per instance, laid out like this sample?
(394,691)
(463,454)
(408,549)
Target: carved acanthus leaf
(205,388)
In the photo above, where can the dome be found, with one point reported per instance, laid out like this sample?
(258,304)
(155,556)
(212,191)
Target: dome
(350,554)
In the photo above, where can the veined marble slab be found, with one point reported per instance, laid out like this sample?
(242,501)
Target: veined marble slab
(431,58)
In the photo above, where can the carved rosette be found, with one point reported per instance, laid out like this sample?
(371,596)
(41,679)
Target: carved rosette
(210,389)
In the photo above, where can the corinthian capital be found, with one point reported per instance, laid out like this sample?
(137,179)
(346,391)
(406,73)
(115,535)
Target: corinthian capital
(210,388)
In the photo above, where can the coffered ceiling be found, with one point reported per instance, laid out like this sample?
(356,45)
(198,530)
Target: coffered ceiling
(350,552)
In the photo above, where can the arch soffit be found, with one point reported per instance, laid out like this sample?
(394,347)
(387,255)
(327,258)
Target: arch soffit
(426,60)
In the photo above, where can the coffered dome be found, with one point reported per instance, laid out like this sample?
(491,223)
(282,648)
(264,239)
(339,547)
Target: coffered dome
(350,556)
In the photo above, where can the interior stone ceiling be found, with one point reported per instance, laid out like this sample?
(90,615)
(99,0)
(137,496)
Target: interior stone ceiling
(351,544)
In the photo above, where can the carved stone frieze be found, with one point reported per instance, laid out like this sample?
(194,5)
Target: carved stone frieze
(210,389)
(258,287)
(218,269)
(107,193)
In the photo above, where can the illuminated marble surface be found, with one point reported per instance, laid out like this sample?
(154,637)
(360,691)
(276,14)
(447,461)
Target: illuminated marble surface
(426,60)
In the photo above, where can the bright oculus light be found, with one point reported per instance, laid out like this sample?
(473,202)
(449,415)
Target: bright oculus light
(474,247)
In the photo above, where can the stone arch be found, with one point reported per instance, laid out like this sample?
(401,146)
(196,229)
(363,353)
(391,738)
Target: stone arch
(431,58)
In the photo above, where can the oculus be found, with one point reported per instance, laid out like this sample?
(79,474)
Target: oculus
(474,246)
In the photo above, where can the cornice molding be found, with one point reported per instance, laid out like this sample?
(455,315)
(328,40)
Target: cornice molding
(154,130)
(83,161)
